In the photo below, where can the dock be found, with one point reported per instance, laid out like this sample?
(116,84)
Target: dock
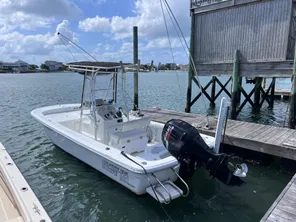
(276,141)
(281,93)
(284,207)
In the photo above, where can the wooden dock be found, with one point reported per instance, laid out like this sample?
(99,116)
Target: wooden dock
(281,93)
(284,207)
(272,140)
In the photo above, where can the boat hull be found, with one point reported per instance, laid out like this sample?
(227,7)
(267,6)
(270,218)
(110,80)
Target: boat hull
(135,182)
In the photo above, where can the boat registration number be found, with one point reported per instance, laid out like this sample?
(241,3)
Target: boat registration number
(116,171)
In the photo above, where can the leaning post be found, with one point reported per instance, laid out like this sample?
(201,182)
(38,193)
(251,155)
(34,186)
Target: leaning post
(136,80)
(235,94)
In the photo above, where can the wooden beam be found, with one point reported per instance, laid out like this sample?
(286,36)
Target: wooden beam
(204,92)
(265,95)
(257,92)
(213,91)
(223,87)
(272,91)
(248,69)
(222,4)
(190,72)
(247,99)
(235,86)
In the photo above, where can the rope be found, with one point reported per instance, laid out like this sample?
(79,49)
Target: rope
(68,48)
(171,48)
(190,57)
(77,46)
(80,52)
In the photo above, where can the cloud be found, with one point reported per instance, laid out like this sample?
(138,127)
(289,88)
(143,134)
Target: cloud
(43,8)
(159,43)
(147,16)
(31,14)
(41,47)
(63,28)
(96,24)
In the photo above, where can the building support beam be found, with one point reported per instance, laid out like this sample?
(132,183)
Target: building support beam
(235,93)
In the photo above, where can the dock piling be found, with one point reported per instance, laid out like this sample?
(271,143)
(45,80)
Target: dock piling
(272,91)
(190,71)
(213,91)
(235,92)
(136,62)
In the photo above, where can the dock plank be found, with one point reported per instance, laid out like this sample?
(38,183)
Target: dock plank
(284,207)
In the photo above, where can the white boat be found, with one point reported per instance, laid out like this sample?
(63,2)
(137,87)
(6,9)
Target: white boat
(129,148)
(18,202)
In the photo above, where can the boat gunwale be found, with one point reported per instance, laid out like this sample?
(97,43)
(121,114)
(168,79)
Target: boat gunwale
(27,204)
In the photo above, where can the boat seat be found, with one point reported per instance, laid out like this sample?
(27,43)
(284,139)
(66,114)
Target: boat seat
(130,141)
(154,152)
(137,123)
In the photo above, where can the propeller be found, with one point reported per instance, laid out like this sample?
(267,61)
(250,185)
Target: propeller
(241,170)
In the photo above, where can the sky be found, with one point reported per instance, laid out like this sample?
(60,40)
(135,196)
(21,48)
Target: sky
(104,28)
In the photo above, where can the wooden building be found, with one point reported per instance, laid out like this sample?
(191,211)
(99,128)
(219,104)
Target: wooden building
(242,38)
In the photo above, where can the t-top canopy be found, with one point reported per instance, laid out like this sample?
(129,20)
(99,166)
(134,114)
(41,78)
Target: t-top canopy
(100,67)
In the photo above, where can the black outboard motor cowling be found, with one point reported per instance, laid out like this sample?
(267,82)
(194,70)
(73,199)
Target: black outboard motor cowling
(185,143)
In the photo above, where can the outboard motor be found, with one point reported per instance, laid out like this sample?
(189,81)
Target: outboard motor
(185,143)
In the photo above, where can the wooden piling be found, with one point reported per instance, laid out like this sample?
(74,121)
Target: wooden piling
(257,93)
(293,96)
(213,91)
(190,71)
(272,91)
(235,94)
(136,62)
(115,87)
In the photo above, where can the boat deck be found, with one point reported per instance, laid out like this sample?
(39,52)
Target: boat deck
(8,212)
(272,140)
(284,208)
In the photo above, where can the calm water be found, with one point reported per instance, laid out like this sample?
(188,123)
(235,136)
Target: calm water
(72,191)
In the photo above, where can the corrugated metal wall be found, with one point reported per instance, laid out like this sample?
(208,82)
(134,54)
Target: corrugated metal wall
(259,30)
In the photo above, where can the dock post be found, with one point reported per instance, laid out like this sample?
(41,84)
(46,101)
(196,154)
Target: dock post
(213,91)
(235,93)
(293,96)
(136,62)
(272,91)
(190,71)
(115,87)
(257,92)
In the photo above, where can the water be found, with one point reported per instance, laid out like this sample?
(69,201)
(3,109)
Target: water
(72,191)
